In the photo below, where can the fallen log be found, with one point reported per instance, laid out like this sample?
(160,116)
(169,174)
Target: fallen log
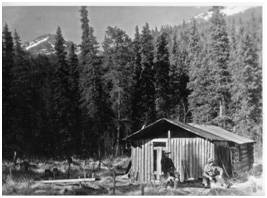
(67,180)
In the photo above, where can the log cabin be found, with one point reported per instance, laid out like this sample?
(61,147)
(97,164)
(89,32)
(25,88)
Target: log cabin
(190,147)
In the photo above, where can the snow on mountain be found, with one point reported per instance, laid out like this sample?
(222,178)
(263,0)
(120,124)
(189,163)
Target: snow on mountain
(227,10)
(44,44)
(35,43)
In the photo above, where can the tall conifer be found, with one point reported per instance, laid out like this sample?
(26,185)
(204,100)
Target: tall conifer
(161,68)
(147,76)
(219,60)
(136,90)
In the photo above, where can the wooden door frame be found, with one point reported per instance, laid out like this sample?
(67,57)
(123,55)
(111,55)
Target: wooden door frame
(159,150)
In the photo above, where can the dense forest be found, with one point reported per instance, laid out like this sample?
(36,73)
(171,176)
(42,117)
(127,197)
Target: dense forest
(85,104)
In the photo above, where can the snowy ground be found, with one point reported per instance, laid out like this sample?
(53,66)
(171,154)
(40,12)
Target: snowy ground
(27,183)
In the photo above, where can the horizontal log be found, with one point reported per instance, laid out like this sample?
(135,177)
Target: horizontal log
(241,164)
(243,146)
(244,168)
(251,149)
(247,153)
(68,180)
(251,155)
(243,152)
(244,160)
(244,157)
(241,167)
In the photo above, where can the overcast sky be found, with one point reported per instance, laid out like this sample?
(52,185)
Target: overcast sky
(33,21)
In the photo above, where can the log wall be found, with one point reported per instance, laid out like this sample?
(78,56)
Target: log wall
(246,157)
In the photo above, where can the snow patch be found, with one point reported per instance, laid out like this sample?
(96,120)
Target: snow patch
(231,10)
(53,46)
(37,43)
(227,10)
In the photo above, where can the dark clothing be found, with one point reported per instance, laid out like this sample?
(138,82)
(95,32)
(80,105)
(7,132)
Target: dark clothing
(167,166)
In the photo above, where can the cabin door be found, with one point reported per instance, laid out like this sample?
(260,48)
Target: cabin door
(223,158)
(158,148)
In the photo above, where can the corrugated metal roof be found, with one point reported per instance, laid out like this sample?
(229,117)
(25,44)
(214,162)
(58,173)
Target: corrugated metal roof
(207,131)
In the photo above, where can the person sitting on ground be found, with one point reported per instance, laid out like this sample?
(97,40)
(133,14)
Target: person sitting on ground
(212,173)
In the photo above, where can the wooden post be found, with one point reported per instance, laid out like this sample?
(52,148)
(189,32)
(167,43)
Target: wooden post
(142,187)
(169,141)
(10,172)
(68,170)
(114,182)
(84,171)
(175,184)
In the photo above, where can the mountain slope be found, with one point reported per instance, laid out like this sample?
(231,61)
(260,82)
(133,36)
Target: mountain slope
(227,10)
(44,44)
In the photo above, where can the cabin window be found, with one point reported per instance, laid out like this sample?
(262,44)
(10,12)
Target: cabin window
(159,144)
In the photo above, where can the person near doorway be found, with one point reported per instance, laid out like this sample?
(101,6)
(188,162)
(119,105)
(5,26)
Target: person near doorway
(213,174)
(168,169)
(167,165)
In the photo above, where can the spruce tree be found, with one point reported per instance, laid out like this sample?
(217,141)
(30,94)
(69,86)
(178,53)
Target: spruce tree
(74,93)
(219,60)
(147,77)
(87,80)
(161,68)
(94,99)
(179,78)
(174,76)
(197,95)
(7,105)
(136,90)
(118,61)
(62,100)
(22,90)
(246,89)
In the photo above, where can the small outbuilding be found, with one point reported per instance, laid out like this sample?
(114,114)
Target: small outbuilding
(190,147)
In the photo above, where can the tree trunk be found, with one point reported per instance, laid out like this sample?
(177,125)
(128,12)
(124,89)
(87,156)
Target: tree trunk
(221,109)
(184,114)
(99,156)
(117,152)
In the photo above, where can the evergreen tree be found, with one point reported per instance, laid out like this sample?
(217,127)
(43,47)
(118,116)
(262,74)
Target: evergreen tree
(118,62)
(219,59)
(179,78)
(197,77)
(174,76)
(136,92)
(96,107)
(88,79)
(246,89)
(74,93)
(62,100)
(22,96)
(161,68)
(42,78)
(147,76)
(8,63)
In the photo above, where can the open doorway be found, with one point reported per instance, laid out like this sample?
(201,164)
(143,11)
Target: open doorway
(158,148)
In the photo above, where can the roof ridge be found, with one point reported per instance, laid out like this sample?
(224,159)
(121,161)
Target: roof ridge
(197,129)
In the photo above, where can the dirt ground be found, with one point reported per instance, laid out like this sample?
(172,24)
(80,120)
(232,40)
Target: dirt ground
(22,182)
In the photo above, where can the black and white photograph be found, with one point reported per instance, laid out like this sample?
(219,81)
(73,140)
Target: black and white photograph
(132,100)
